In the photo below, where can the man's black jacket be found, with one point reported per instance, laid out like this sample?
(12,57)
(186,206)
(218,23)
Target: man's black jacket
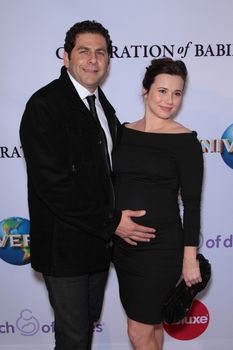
(70,194)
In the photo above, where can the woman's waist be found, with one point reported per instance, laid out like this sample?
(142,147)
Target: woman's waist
(168,235)
(158,209)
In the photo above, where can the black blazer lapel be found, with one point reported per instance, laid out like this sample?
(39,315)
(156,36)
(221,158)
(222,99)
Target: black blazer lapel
(110,115)
(74,102)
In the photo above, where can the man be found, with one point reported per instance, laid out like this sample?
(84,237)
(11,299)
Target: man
(70,193)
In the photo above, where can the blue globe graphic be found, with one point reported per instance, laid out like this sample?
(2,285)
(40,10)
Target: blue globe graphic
(226,155)
(14,242)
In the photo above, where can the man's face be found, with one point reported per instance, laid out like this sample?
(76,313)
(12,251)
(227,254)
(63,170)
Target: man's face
(89,60)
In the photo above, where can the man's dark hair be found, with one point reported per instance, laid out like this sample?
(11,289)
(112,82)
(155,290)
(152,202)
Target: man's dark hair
(163,66)
(86,27)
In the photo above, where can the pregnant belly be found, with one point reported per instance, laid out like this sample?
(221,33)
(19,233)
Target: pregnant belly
(161,204)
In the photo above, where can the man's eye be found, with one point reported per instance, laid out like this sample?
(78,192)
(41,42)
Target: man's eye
(101,53)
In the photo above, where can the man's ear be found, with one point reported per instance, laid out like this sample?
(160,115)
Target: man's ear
(66,59)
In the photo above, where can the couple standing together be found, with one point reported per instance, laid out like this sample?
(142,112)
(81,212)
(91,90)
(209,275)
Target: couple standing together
(98,190)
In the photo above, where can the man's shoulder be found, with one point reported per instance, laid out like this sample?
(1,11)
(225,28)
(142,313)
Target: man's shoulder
(47,90)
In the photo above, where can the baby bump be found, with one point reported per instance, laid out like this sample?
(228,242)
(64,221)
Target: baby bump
(161,204)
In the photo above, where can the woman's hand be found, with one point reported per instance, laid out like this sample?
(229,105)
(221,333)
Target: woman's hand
(191,270)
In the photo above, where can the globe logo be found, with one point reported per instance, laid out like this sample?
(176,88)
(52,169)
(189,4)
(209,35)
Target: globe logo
(14,240)
(227,154)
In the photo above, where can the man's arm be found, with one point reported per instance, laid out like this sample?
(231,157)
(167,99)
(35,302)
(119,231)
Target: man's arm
(50,172)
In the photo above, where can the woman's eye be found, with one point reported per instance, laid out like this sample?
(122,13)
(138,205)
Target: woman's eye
(162,91)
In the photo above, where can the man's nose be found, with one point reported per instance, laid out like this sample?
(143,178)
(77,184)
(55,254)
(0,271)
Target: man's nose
(92,57)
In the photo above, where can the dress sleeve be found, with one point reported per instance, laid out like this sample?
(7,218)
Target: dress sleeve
(190,169)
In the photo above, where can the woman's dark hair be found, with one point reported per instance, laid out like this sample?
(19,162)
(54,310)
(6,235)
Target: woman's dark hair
(86,27)
(163,66)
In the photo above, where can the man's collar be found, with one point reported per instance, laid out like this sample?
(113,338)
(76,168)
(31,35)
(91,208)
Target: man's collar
(81,90)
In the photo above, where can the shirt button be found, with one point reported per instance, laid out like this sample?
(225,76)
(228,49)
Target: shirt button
(100,142)
(74,168)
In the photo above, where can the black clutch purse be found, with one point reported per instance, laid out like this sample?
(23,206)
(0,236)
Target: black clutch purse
(179,300)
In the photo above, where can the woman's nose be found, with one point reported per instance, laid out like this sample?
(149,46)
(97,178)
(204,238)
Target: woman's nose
(169,98)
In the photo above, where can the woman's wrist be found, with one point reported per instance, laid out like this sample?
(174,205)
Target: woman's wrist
(190,253)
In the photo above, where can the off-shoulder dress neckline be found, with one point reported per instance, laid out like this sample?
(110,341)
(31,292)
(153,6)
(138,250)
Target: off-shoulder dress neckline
(193,132)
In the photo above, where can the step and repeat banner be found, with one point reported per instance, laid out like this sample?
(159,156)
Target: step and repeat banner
(200,33)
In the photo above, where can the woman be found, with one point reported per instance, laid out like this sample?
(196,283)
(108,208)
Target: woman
(157,160)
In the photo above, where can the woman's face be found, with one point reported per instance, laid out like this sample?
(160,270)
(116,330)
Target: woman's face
(165,96)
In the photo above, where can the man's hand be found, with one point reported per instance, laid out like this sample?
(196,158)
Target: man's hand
(130,231)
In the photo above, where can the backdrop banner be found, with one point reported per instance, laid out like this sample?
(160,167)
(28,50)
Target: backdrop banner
(200,33)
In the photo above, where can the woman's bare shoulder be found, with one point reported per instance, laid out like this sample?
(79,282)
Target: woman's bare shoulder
(179,128)
(133,125)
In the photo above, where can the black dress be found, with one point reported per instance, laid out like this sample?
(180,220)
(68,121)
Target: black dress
(150,171)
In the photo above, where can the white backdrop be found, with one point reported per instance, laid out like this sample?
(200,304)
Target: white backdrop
(199,32)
